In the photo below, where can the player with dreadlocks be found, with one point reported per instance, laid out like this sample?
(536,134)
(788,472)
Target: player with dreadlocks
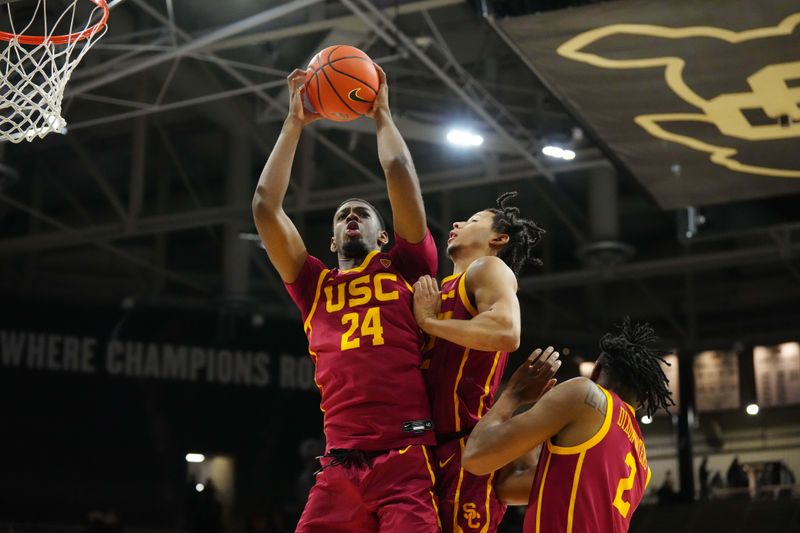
(592,471)
(473,322)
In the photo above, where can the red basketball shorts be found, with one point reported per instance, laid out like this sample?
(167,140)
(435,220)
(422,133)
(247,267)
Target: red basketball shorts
(387,493)
(467,503)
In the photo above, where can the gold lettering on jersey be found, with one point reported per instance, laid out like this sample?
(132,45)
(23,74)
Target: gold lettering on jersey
(472,516)
(626,425)
(330,305)
(360,291)
(385,296)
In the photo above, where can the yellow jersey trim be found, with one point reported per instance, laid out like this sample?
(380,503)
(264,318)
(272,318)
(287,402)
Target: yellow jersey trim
(649,473)
(488,383)
(455,388)
(307,323)
(363,264)
(574,494)
(489,484)
(433,484)
(458,489)
(541,492)
(600,435)
(462,291)
(448,278)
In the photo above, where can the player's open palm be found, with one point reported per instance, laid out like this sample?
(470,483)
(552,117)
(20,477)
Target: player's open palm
(297,110)
(427,299)
(535,376)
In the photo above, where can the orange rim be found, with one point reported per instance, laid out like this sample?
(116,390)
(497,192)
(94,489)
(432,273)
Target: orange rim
(61,39)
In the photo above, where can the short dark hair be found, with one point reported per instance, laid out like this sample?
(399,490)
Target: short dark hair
(374,209)
(523,234)
(629,360)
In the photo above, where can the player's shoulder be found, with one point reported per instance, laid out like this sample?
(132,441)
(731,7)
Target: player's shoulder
(490,267)
(576,390)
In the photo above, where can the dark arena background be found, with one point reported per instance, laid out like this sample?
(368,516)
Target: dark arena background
(154,373)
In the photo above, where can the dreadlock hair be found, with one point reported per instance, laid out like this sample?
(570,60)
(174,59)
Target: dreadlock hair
(523,234)
(374,209)
(629,361)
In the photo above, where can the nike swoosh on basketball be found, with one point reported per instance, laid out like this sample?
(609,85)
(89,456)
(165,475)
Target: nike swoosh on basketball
(353,95)
(442,464)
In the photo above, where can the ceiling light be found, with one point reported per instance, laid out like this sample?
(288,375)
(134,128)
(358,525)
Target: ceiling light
(195,457)
(752,409)
(558,152)
(461,137)
(199,487)
(647,419)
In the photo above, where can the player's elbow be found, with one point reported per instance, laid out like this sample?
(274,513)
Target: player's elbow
(507,340)
(262,204)
(472,463)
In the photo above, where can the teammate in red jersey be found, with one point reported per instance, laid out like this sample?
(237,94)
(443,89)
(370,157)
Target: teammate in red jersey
(592,471)
(376,474)
(473,321)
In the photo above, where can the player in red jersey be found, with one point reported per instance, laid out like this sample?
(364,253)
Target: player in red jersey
(473,322)
(377,473)
(592,471)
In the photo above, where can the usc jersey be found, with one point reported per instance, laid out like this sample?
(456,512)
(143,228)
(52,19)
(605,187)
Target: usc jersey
(366,344)
(461,382)
(595,486)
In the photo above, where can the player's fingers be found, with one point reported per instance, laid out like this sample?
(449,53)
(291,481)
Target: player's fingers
(381,73)
(535,355)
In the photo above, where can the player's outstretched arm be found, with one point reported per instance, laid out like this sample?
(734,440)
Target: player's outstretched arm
(408,211)
(500,437)
(496,327)
(281,239)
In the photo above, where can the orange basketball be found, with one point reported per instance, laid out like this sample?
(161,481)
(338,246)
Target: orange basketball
(341,83)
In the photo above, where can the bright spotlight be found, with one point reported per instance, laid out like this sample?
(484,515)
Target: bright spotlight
(199,487)
(558,152)
(195,457)
(460,137)
(752,409)
(647,419)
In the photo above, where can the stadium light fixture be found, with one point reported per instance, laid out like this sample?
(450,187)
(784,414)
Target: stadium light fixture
(195,457)
(752,409)
(464,138)
(199,487)
(647,419)
(558,152)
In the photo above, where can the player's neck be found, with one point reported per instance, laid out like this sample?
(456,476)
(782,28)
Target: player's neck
(462,262)
(349,263)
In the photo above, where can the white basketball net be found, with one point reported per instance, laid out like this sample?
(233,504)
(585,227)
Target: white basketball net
(33,76)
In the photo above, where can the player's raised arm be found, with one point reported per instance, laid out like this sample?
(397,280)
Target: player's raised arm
(281,239)
(408,211)
(500,437)
(495,327)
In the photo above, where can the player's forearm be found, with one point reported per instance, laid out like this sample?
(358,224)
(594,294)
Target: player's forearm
(485,332)
(401,179)
(484,451)
(274,180)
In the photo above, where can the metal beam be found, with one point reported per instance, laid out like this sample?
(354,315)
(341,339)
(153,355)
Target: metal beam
(486,108)
(318,200)
(99,177)
(319,26)
(200,43)
(131,258)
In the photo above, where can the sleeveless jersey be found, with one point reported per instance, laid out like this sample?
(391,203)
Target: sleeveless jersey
(461,382)
(366,346)
(595,486)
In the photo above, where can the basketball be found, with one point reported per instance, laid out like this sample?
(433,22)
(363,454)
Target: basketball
(341,83)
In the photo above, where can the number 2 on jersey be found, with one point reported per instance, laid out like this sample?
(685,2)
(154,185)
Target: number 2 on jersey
(371,326)
(625,484)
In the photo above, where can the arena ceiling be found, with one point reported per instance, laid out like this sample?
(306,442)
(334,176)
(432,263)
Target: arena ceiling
(146,199)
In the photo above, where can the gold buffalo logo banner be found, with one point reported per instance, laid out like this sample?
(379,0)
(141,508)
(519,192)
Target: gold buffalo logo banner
(699,99)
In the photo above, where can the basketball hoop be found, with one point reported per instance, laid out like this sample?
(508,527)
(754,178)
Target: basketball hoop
(35,69)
